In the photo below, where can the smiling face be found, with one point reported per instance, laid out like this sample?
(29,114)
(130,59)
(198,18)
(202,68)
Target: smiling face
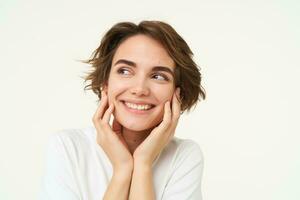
(141,80)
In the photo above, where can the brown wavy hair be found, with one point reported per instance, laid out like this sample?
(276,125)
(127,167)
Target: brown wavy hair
(187,73)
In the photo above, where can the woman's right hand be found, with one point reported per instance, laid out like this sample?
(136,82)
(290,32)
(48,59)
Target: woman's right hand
(111,139)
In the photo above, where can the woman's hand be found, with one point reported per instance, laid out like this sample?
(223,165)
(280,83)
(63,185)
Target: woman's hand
(160,136)
(111,139)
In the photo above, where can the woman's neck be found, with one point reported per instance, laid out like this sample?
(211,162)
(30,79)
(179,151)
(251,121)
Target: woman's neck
(134,138)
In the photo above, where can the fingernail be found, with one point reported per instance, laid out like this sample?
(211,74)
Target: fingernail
(103,94)
(167,103)
(178,93)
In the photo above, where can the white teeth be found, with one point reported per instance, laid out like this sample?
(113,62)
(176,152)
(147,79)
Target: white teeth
(138,107)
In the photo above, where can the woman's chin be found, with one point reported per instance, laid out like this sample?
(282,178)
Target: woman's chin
(136,127)
(136,123)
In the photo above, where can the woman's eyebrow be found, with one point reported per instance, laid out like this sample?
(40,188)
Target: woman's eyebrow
(165,69)
(127,62)
(155,68)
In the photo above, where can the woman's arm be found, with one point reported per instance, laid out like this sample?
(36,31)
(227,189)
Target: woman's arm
(144,156)
(142,183)
(113,144)
(118,187)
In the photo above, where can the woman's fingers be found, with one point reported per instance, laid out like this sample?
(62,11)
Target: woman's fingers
(176,105)
(171,115)
(101,108)
(176,108)
(167,113)
(164,125)
(107,114)
(112,144)
(97,118)
(116,126)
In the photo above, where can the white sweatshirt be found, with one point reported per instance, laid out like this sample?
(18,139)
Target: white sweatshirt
(78,169)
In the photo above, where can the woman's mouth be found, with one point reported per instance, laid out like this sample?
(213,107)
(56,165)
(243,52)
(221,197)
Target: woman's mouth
(137,108)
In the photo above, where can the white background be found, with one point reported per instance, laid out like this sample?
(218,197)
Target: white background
(248,52)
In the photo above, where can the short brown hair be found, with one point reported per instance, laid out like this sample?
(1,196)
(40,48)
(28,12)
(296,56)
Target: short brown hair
(187,73)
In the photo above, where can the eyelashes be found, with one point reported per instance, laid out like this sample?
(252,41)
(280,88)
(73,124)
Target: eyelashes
(123,71)
(156,75)
(163,77)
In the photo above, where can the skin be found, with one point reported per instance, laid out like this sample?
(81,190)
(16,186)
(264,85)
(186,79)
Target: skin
(136,138)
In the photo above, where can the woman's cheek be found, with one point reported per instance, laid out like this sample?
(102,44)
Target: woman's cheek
(166,96)
(114,89)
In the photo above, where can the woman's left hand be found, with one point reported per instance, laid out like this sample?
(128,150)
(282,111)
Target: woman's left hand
(160,136)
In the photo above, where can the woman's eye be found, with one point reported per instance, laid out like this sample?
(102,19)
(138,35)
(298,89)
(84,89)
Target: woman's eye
(160,77)
(123,71)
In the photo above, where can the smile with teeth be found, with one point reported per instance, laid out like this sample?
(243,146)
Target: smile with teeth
(138,107)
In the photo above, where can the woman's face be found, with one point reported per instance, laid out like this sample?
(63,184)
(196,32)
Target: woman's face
(141,80)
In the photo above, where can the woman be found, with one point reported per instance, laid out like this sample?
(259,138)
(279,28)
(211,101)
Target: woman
(145,78)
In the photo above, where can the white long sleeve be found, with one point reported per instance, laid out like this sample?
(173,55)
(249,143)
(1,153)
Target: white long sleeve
(77,168)
(186,175)
(58,182)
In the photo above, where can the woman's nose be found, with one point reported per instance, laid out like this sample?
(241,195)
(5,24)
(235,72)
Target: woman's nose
(140,88)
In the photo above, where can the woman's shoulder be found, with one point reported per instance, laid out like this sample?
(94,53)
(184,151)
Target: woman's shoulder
(182,144)
(73,138)
(180,162)
(185,148)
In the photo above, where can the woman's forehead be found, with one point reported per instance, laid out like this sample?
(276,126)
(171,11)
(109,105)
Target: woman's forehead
(143,50)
